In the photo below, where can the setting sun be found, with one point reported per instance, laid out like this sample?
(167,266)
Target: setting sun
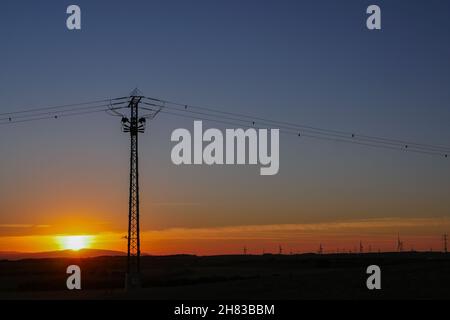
(74,242)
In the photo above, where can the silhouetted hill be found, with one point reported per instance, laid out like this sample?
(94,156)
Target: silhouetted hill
(83,253)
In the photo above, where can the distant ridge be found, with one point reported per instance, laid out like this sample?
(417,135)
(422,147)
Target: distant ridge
(83,253)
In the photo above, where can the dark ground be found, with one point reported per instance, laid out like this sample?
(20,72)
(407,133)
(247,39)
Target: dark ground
(403,276)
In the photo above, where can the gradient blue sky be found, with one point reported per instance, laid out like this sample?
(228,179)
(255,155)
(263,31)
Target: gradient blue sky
(311,62)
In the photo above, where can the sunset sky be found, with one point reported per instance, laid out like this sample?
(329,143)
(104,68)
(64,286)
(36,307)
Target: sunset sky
(309,62)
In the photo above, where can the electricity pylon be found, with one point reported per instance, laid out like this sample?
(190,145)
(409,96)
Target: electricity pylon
(444,240)
(399,244)
(134,125)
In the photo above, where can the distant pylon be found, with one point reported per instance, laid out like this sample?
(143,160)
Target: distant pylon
(280,249)
(361,248)
(320,249)
(444,239)
(399,244)
(245,250)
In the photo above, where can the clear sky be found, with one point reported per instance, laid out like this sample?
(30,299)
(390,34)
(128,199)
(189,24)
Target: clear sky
(311,62)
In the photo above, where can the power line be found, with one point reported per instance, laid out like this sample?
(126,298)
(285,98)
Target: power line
(339,137)
(224,117)
(64,115)
(61,106)
(320,136)
(37,114)
(304,128)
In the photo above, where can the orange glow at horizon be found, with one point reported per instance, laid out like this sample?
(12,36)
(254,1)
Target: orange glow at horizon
(340,236)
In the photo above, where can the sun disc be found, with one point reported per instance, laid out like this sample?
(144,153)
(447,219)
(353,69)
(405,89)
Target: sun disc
(74,243)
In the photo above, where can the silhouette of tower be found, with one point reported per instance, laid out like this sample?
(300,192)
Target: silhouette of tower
(320,249)
(280,249)
(245,250)
(361,248)
(399,244)
(444,240)
(134,125)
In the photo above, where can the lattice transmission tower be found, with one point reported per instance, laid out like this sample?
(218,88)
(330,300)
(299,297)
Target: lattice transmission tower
(134,124)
